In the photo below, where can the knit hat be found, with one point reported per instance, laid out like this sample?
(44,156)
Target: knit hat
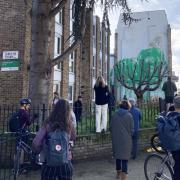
(177,102)
(132,101)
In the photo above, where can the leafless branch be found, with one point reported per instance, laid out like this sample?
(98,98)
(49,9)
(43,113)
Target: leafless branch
(56,9)
(66,53)
(54,3)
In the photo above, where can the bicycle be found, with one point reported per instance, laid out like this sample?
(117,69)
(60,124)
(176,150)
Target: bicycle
(22,146)
(156,144)
(156,166)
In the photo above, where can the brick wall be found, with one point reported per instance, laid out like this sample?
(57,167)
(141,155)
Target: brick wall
(86,147)
(77,72)
(65,45)
(87,60)
(14,32)
(98,46)
(96,146)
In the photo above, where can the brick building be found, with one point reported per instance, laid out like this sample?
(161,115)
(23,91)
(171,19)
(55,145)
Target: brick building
(86,62)
(15,35)
(74,76)
(95,55)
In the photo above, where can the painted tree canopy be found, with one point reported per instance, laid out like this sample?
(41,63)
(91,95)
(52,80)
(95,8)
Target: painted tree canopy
(144,73)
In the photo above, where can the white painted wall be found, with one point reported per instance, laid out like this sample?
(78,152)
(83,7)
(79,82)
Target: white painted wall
(150,31)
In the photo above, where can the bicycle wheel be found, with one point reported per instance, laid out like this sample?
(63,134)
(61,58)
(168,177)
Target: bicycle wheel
(156,144)
(16,163)
(156,169)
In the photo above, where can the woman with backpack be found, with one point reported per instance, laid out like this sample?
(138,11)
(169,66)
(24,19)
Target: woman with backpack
(53,138)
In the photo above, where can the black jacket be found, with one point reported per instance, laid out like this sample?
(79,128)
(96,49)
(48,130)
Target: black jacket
(101,95)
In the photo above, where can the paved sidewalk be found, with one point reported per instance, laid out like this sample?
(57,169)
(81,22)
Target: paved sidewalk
(103,169)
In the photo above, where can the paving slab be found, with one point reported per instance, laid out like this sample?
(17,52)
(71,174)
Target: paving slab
(102,169)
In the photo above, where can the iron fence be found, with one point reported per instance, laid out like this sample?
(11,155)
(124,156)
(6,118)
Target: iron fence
(85,126)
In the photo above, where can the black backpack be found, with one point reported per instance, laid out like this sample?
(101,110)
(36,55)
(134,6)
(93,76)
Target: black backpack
(15,122)
(57,148)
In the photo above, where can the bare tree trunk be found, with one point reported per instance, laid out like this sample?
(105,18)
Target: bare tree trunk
(40,57)
(139,95)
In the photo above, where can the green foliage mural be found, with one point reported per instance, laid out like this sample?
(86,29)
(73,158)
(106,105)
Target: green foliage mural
(141,74)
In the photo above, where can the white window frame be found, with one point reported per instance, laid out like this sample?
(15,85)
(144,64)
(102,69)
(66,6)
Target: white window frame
(57,87)
(71,62)
(58,17)
(70,96)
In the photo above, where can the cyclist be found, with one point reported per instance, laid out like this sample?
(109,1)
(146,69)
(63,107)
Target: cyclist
(20,119)
(24,112)
(21,123)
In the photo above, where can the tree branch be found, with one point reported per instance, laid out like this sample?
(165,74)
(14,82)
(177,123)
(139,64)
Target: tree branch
(56,9)
(66,53)
(54,3)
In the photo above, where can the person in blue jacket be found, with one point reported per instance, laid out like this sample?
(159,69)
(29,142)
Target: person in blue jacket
(136,113)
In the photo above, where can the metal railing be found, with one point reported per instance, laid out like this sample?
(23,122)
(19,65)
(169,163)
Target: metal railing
(85,126)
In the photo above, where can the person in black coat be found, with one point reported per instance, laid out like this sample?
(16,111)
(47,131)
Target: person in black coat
(78,108)
(101,101)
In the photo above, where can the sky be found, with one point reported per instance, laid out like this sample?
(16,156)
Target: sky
(173,15)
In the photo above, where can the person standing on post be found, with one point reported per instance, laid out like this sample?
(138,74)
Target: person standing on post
(136,113)
(169,88)
(101,101)
(78,109)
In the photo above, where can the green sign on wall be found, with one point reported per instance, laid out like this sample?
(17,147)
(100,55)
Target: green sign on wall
(10,65)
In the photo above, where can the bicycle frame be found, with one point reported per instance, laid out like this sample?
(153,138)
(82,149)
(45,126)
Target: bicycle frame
(23,146)
(169,160)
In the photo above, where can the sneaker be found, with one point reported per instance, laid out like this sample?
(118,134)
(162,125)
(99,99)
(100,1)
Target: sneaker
(103,131)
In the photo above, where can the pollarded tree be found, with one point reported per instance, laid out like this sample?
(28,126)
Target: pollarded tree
(144,73)
(41,62)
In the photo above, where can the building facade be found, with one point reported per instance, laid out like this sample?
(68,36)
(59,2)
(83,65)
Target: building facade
(74,76)
(15,36)
(152,31)
(95,55)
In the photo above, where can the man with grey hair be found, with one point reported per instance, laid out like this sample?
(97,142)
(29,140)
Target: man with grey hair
(136,113)
(176,154)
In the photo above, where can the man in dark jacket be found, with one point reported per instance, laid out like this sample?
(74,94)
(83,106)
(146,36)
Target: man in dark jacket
(78,108)
(176,154)
(136,113)
(169,88)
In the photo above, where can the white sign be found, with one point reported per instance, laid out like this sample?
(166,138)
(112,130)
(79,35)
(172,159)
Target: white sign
(10,69)
(10,54)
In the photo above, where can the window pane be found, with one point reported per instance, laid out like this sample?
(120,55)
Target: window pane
(70,93)
(58,45)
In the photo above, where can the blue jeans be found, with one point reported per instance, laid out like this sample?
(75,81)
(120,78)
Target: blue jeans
(135,138)
(122,165)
